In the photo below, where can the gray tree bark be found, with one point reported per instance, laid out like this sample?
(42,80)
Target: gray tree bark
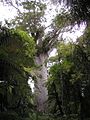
(41,93)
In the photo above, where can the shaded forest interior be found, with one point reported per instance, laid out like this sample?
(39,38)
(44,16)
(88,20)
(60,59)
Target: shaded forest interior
(61,82)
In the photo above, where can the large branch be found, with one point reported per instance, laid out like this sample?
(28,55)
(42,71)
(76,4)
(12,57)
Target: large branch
(51,40)
(11,3)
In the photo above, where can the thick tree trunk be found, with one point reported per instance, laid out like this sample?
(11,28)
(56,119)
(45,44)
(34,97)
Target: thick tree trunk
(41,93)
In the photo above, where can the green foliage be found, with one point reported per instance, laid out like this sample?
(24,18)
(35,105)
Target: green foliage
(65,49)
(70,77)
(30,20)
(17,45)
(79,9)
(17,51)
(9,116)
(63,19)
